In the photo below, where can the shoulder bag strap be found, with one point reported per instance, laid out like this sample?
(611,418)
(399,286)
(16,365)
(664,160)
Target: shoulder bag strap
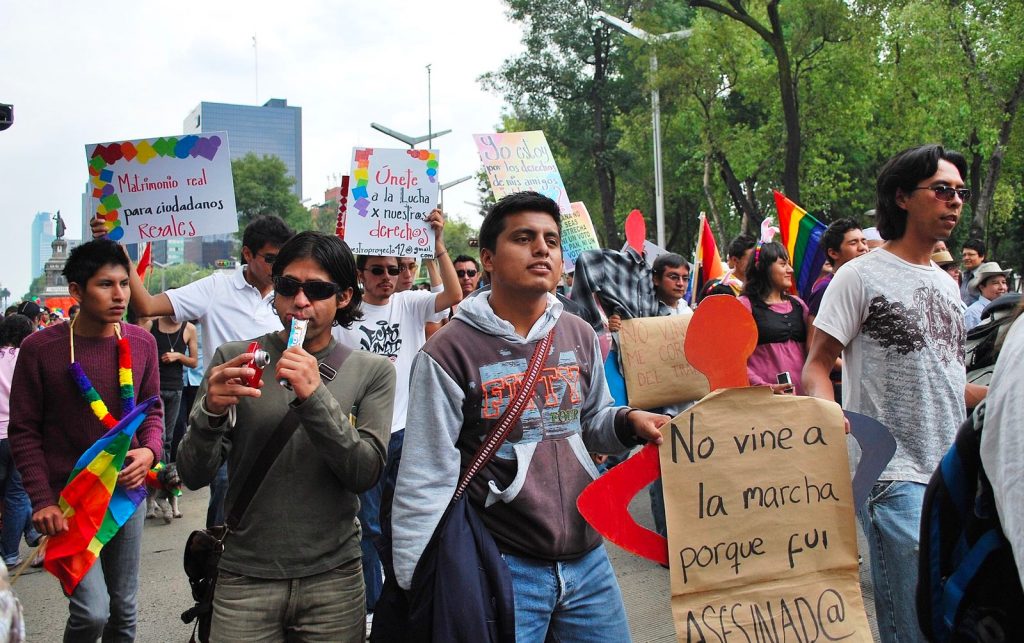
(511,415)
(278,439)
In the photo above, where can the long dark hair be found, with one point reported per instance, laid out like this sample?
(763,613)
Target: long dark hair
(13,329)
(759,279)
(335,257)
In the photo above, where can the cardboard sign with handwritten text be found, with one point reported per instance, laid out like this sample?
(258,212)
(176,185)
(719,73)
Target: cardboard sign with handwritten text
(518,161)
(577,235)
(654,364)
(759,508)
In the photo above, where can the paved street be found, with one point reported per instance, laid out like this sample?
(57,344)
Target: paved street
(165,593)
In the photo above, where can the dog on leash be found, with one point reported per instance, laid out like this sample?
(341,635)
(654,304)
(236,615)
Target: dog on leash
(165,488)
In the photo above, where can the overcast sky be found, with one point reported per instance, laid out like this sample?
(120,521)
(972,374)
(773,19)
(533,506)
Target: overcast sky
(80,73)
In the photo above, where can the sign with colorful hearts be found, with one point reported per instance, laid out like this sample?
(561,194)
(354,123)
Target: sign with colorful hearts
(390,194)
(169,187)
(520,161)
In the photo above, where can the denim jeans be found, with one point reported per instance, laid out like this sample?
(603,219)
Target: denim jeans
(17,508)
(172,402)
(105,601)
(188,398)
(891,520)
(657,495)
(218,493)
(569,600)
(369,520)
(322,607)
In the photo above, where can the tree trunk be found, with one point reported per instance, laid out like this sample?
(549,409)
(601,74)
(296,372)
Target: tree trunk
(791,113)
(995,161)
(750,215)
(598,150)
(709,195)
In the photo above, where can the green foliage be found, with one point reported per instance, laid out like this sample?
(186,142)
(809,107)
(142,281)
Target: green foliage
(174,276)
(262,187)
(870,77)
(457,234)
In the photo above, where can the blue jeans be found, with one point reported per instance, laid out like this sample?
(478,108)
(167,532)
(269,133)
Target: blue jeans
(105,601)
(891,520)
(218,493)
(322,607)
(369,520)
(17,508)
(172,403)
(569,600)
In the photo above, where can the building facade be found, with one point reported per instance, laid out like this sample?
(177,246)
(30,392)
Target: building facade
(42,236)
(272,129)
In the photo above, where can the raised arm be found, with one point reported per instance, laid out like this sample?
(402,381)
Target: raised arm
(144,304)
(452,293)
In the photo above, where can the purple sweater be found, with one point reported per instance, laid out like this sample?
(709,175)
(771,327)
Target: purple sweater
(51,423)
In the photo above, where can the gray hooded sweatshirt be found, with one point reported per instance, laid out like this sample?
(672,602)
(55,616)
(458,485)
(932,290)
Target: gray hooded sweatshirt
(462,380)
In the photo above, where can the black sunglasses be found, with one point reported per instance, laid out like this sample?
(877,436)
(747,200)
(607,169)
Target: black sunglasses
(946,193)
(315,290)
(393,271)
(464,273)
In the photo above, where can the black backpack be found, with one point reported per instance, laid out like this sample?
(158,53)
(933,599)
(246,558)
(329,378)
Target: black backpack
(968,588)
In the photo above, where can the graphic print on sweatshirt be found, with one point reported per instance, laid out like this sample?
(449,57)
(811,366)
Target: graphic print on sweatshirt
(382,338)
(558,387)
(894,326)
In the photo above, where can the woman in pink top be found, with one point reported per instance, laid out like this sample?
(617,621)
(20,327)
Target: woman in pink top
(17,508)
(781,319)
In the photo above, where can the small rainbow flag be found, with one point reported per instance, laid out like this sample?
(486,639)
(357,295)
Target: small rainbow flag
(707,261)
(95,506)
(801,234)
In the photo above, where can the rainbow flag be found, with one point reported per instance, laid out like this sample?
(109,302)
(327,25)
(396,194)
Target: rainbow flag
(801,234)
(95,506)
(707,261)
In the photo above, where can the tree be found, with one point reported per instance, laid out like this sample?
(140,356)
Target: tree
(568,84)
(174,276)
(262,187)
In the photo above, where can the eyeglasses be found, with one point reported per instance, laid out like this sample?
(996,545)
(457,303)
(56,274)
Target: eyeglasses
(675,276)
(466,273)
(946,193)
(315,290)
(392,271)
(411,266)
(268,257)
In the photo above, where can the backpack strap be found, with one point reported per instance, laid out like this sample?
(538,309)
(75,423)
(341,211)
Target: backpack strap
(512,413)
(956,585)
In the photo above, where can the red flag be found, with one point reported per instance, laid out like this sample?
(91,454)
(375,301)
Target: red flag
(144,261)
(707,264)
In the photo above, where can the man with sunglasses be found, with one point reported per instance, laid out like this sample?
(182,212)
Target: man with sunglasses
(229,306)
(393,326)
(291,567)
(897,320)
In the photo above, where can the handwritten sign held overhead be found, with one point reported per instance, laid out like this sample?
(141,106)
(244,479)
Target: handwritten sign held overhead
(577,234)
(391,192)
(169,187)
(759,509)
(520,161)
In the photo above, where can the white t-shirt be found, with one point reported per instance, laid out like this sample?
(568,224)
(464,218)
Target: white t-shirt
(1002,440)
(228,308)
(395,331)
(902,326)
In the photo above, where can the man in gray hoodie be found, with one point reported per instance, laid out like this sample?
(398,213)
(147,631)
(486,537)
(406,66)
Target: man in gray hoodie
(463,379)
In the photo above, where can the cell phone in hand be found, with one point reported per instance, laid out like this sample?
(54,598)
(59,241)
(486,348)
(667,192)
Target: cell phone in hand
(785,378)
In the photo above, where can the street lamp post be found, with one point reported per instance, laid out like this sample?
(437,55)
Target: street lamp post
(631,30)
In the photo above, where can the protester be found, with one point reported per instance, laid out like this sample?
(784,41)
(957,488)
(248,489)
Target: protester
(53,423)
(463,378)
(989,283)
(176,344)
(393,325)
(228,306)
(738,258)
(898,322)
(973,254)
(291,567)
(781,320)
(945,260)
(33,311)
(1002,442)
(17,518)
(843,241)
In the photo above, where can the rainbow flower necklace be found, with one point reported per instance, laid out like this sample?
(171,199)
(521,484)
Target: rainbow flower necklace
(124,378)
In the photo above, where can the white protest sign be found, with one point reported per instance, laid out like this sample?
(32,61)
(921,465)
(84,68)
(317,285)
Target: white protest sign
(391,192)
(163,188)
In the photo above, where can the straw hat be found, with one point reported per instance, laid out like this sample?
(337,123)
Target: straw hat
(943,258)
(984,271)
